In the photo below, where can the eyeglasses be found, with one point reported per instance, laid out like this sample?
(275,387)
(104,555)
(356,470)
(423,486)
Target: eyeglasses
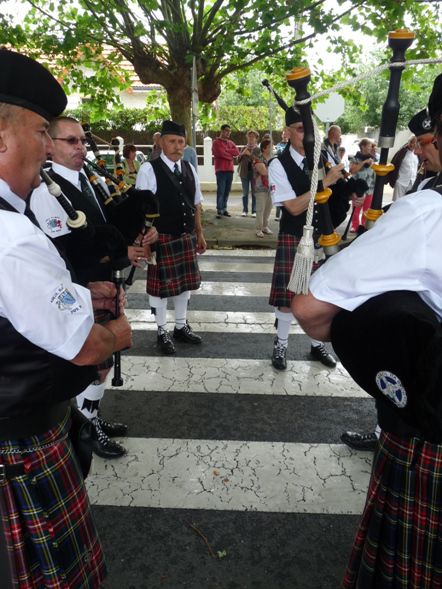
(72,140)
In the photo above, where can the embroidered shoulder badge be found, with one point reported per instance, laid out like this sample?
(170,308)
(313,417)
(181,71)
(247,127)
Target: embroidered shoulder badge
(65,300)
(54,224)
(390,386)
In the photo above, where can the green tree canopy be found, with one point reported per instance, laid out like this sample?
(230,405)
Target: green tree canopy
(161,37)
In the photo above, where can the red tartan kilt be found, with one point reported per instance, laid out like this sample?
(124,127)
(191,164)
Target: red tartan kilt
(49,527)
(177,268)
(399,541)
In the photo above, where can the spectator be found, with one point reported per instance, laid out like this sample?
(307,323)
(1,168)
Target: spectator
(246,171)
(224,151)
(263,198)
(331,144)
(156,147)
(130,163)
(283,143)
(343,157)
(360,167)
(190,155)
(407,170)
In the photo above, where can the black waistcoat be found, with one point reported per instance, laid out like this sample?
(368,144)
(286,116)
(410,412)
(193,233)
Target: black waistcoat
(31,377)
(79,201)
(82,252)
(176,199)
(300,183)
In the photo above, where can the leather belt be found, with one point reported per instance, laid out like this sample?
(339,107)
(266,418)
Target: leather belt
(10,471)
(24,426)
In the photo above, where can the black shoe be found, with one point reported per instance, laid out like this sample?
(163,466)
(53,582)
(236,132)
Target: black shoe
(185,334)
(321,354)
(226,214)
(165,343)
(113,429)
(219,214)
(102,445)
(279,356)
(360,441)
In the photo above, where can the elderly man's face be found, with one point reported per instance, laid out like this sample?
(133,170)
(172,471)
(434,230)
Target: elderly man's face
(173,146)
(24,147)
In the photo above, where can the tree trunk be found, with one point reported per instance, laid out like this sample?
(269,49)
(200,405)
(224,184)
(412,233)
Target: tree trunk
(180,102)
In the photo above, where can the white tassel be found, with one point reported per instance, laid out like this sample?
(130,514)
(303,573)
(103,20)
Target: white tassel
(303,264)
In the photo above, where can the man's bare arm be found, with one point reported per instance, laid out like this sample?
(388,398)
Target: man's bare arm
(103,341)
(314,316)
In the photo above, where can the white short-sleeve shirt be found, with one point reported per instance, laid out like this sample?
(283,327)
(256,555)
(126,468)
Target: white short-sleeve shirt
(38,297)
(50,215)
(401,252)
(280,187)
(146,179)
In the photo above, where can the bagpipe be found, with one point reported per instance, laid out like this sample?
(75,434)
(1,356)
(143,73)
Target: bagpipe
(99,244)
(298,79)
(343,189)
(126,207)
(103,244)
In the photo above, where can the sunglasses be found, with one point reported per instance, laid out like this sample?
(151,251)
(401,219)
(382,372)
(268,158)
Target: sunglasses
(72,140)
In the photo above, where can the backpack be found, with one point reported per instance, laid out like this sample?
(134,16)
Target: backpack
(396,160)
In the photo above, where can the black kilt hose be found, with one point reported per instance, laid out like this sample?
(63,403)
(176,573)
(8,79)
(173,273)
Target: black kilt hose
(280,296)
(177,268)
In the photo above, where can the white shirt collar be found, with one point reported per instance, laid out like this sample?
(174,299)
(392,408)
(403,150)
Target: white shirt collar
(71,176)
(297,157)
(15,201)
(169,163)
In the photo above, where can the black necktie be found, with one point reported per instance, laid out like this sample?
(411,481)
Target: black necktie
(305,165)
(28,212)
(176,171)
(87,192)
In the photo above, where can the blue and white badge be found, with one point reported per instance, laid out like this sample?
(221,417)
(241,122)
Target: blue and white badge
(390,386)
(65,300)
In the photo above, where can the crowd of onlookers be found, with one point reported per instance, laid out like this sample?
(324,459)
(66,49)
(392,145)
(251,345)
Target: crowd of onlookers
(252,161)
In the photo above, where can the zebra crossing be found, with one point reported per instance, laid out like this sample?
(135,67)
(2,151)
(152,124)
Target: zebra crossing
(221,439)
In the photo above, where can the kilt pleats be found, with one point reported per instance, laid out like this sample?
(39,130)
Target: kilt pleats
(399,541)
(52,536)
(280,296)
(177,268)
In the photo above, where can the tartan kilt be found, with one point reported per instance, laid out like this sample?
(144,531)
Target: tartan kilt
(177,268)
(49,528)
(280,296)
(399,541)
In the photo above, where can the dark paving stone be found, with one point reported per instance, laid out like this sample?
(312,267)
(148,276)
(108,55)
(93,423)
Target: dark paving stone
(214,416)
(157,549)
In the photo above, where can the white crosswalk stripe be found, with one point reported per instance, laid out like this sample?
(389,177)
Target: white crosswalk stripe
(290,477)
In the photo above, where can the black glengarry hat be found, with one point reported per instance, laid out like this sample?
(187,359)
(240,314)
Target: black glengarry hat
(292,116)
(25,82)
(421,123)
(435,101)
(172,128)
(392,347)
